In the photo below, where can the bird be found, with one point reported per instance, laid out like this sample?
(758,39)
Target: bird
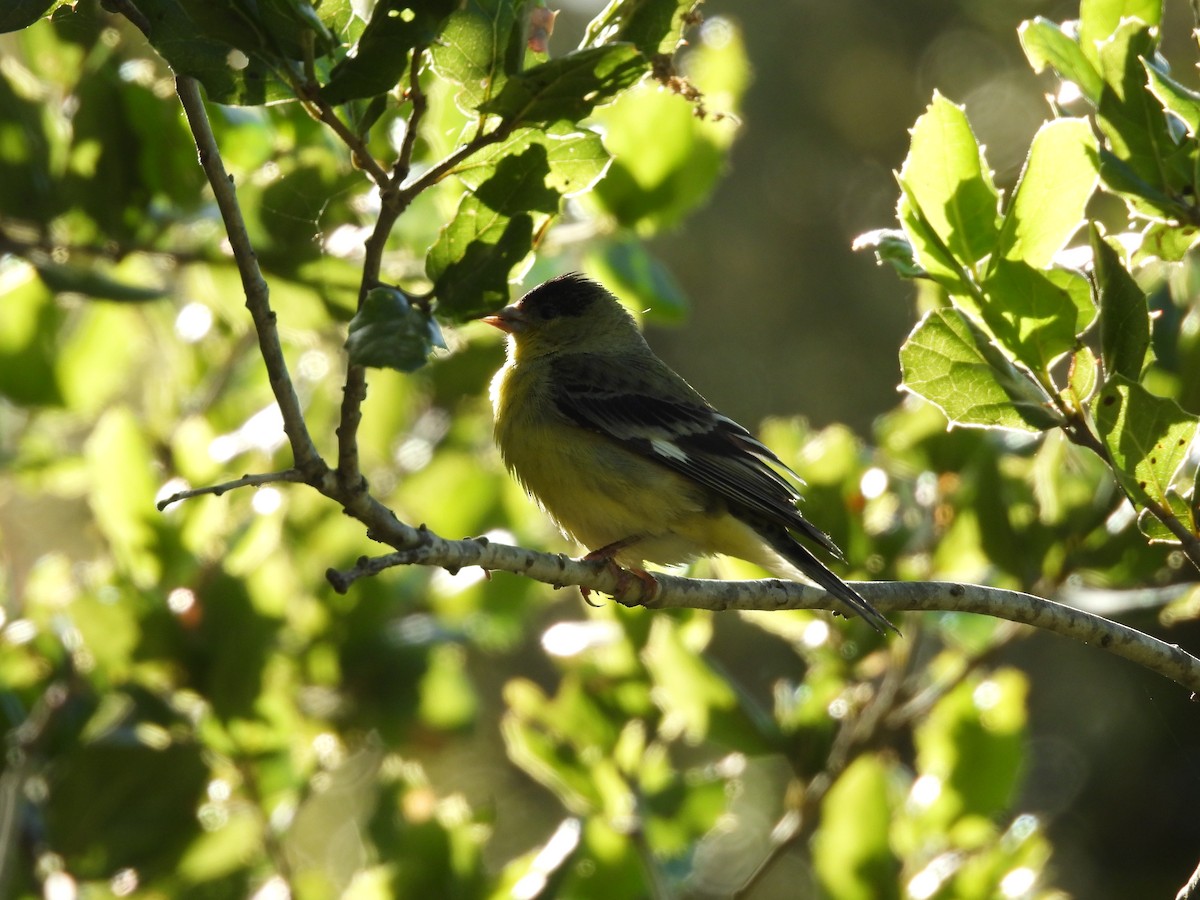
(629,459)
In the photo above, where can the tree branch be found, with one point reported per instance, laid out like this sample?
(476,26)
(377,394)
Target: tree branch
(675,592)
(293,475)
(394,199)
(304,452)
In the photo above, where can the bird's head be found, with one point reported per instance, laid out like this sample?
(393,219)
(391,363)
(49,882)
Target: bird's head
(565,314)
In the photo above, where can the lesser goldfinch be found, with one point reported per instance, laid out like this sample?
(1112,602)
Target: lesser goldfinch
(629,459)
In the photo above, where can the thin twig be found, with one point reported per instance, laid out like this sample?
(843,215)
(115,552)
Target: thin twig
(674,592)
(292,475)
(420,104)
(320,109)
(304,452)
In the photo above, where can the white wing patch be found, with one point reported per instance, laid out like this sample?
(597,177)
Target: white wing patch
(668,449)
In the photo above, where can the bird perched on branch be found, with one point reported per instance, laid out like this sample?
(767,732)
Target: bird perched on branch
(628,459)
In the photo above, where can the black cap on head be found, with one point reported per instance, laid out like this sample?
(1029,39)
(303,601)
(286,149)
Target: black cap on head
(566,295)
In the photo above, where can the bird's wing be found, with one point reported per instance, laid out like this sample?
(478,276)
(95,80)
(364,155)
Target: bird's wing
(624,399)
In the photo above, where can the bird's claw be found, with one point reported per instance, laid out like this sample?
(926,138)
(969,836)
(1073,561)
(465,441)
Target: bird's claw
(647,586)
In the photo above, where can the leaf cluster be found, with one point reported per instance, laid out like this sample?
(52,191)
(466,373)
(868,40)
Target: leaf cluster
(1030,334)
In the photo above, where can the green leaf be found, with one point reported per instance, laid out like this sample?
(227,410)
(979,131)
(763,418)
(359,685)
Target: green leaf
(1143,197)
(1146,436)
(1046,44)
(1082,377)
(1100,19)
(1166,242)
(1033,318)
(574,160)
(972,742)
(851,851)
(122,493)
(473,258)
(950,362)
(140,805)
(220,47)
(1124,313)
(28,339)
(1153,527)
(567,88)
(519,184)
(930,253)
(381,56)
(947,178)
(93,283)
(1062,164)
(1182,102)
(667,159)
(389,332)
(653,26)
(471,262)
(20,14)
(470,51)
(1130,118)
(891,246)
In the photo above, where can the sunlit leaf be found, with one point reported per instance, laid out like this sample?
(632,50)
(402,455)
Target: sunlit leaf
(1031,312)
(1180,101)
(1046,44)
(574,160)
(568,87)
(1082,377)
(382,53)
(851,851)
(1129,116)
(949,180)
(1146,436)
(122,493)
(1100,19)
(951,363)
(653,26)
(470,51)
(1124,314)
(473,259)
(28,334)
(1156,530)
(1062,162)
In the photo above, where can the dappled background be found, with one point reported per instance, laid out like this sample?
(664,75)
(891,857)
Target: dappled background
(398,707)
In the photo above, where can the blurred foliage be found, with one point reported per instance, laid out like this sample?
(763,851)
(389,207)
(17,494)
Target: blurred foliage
(190,712)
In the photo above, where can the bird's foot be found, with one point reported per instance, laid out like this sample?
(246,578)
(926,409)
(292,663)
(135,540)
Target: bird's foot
(647,586)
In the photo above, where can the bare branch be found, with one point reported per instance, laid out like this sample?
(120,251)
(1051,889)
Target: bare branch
(293,475)
(255,286)
(674,592)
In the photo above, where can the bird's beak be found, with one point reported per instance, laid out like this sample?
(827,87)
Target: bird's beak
(511,319)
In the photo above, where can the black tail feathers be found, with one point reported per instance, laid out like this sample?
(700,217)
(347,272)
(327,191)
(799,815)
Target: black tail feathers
(816,571)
